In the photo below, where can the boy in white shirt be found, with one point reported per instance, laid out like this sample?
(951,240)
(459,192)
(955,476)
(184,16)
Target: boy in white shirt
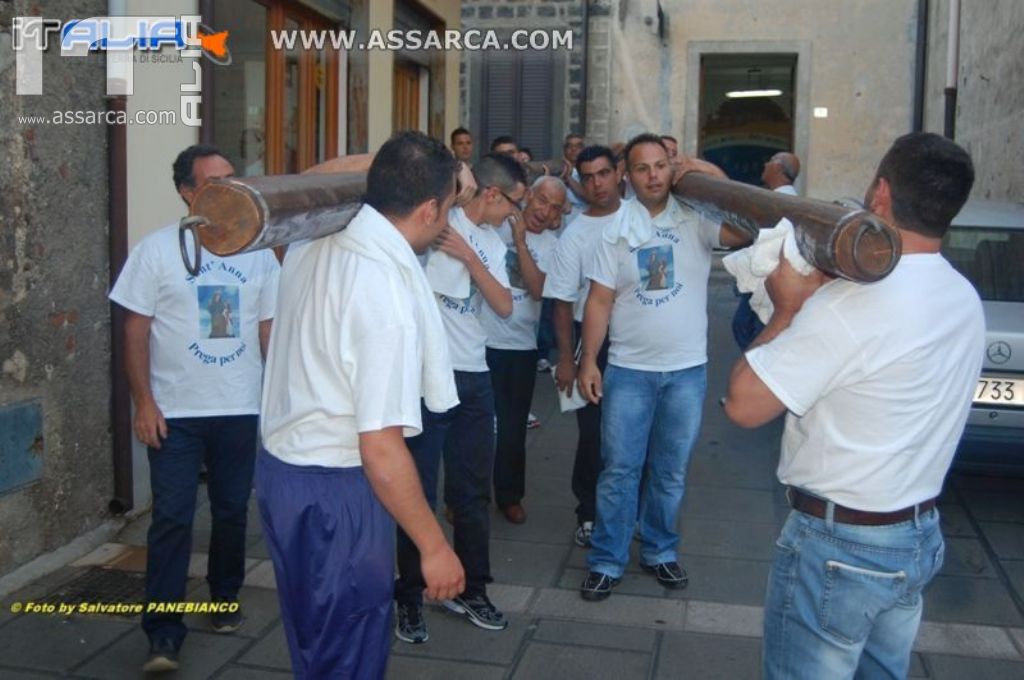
(466,271)
(512,342)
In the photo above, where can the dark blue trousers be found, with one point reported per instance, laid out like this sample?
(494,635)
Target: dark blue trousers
(465,436)
(227,445)
(333,548)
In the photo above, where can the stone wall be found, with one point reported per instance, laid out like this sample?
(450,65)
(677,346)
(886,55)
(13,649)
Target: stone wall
(529,14)
(54,316)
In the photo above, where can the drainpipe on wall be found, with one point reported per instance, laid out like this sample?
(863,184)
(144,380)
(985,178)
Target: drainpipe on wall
(117,209)
(952,66)
(583,73)
(920,65)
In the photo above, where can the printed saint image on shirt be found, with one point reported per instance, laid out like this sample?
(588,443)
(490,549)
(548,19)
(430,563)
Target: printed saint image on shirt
(219,311)
(515,275)
(656,267)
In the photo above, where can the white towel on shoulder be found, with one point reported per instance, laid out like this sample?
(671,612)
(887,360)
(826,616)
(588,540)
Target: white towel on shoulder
(634,225)
(752,265)
(371,239)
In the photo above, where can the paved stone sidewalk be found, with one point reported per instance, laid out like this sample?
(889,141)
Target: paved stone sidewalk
(973,626)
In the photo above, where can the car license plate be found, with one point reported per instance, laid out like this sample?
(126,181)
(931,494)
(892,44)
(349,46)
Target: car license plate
(999,391)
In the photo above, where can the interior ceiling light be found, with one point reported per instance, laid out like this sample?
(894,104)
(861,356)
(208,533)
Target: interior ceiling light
(755,78)
(739,94)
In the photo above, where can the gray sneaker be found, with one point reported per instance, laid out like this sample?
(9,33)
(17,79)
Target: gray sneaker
(225,622)
(163,657)
(479,610)
(583,533)
(410,626)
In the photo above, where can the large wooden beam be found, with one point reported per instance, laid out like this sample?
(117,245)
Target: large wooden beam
(242,214)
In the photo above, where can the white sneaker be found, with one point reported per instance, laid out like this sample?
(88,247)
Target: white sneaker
(532,422)
(543,365)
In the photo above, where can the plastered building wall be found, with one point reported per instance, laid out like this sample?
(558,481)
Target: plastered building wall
(990,98)
(854,58)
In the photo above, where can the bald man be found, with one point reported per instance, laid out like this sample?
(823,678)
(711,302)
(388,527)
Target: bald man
(780,171)
(512,341)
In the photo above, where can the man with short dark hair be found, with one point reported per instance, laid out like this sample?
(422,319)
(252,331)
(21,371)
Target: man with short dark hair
(567,286)
(466,271)
(505,145)
(648,295)
(571,149)
(193,348)
(358,347)
(462,144)
(672,146)
(878,381)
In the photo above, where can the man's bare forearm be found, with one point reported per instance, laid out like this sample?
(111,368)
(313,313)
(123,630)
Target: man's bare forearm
(136,357)
(533,277)
(497,296)
(595,323)
(561,319)
(392,475)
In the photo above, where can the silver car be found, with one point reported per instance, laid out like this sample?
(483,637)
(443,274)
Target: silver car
(986,245)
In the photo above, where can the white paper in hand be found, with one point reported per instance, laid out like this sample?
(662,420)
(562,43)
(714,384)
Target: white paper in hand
(573,402)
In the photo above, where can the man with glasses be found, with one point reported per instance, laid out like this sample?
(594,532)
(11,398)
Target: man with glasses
(466,270)
(512,342)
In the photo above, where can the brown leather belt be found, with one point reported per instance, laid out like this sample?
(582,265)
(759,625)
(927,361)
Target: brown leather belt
(814,506)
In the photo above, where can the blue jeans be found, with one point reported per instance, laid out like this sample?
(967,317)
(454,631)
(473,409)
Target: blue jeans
(645,416)
(465,437)
(843,600)
(227,444)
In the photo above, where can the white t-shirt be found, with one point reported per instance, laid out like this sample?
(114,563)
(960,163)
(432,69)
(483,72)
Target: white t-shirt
(466,336)
(518,331)
(345,356)
(565,280)
(878,379)
(659,321)
(204,347)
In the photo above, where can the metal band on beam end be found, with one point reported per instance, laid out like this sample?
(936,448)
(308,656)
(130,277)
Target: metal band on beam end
(191,224)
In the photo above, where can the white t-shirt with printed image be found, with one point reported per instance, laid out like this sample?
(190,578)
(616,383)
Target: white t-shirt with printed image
(519,331)
(204,348)
(565,278)
(461,317)
(659,319)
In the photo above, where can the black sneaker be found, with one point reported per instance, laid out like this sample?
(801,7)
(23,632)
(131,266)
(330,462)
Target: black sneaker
(225,621)
(410,626)
(479,610)
(597,586)
(669,574)
(163,657)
